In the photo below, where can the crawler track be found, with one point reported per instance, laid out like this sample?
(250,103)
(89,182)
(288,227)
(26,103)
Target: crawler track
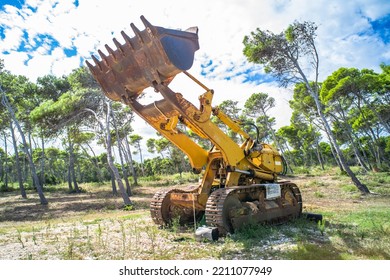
(230,208)
(163,211)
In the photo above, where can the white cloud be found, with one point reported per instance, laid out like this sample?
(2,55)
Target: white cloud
(12,41)
(343,37)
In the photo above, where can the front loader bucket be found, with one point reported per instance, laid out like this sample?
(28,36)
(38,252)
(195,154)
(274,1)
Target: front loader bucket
(153,56)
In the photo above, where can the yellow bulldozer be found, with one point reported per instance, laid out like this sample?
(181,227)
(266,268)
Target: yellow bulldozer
(239,182)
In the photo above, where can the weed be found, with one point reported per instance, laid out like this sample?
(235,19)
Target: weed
(129,207)
(69,253)
(151,231)
(175,224)
(88,239)
(123,234)
(351,231)
(319,194)
(34,238)
(321,226)
(19,237)
(253,230)
(348,188)
(99,232)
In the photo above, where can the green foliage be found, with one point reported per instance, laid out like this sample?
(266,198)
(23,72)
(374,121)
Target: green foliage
(278,53)
(129,207)
(321,226)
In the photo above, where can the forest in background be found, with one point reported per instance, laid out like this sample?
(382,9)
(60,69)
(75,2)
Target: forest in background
(342,121)
(69,109)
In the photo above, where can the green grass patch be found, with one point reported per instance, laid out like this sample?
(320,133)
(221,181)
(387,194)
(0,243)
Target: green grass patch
(319,194)
(348,188)
(93,222)
(309,251)
(134,216)
(374,220)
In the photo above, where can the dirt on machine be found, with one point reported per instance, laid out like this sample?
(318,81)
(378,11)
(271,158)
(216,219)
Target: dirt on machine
(239,181)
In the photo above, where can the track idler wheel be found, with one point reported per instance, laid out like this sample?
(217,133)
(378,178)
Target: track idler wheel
(231,208)
(164,212)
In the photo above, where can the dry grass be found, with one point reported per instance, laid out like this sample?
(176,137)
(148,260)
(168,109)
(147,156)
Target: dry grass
(93,225)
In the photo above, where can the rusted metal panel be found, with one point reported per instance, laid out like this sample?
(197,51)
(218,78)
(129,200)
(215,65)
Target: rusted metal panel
(153,56)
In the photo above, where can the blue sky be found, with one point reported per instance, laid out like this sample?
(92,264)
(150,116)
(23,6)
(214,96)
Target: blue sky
(39,37)
(53,37)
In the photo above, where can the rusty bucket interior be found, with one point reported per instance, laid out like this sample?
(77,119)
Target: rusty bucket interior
(155,55)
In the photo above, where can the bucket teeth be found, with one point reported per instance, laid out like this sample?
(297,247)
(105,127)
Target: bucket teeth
(148,26)
(90,66)
(137,32)
(118,45)
(103,57)
(153,56)
(145,22)
(110,51)
(127,39)
(97,62)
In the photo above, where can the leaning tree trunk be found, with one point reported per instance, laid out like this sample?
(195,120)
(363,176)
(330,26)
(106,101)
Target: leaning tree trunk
(110,159)
(6,163)
(124,171)
(107,139)
(362,188)
(70,180)
(133,172)
(318,153)
(17,163)
(113,182)
(349,134)
(94,161)
(43,181)
(71,165)
(26,148)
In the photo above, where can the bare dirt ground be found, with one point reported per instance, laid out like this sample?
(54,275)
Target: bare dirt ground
(94,225)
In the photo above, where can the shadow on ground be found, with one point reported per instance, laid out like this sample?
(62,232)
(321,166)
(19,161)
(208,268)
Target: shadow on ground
(62,204)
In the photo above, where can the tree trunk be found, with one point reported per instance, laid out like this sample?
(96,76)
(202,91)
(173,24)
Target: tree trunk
(141,159)
(133,172)
(26,148)
(43,162)
(356,150)
(17,163)
(385,125)
(29,157)
(6,163)
(95,162)
(124,171)
(113,184)
(314,93)
(349,134)
(124,194)
(70,180)
(318,154)
(71,165)
(362,188)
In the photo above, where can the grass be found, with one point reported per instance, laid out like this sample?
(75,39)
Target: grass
(94,225)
